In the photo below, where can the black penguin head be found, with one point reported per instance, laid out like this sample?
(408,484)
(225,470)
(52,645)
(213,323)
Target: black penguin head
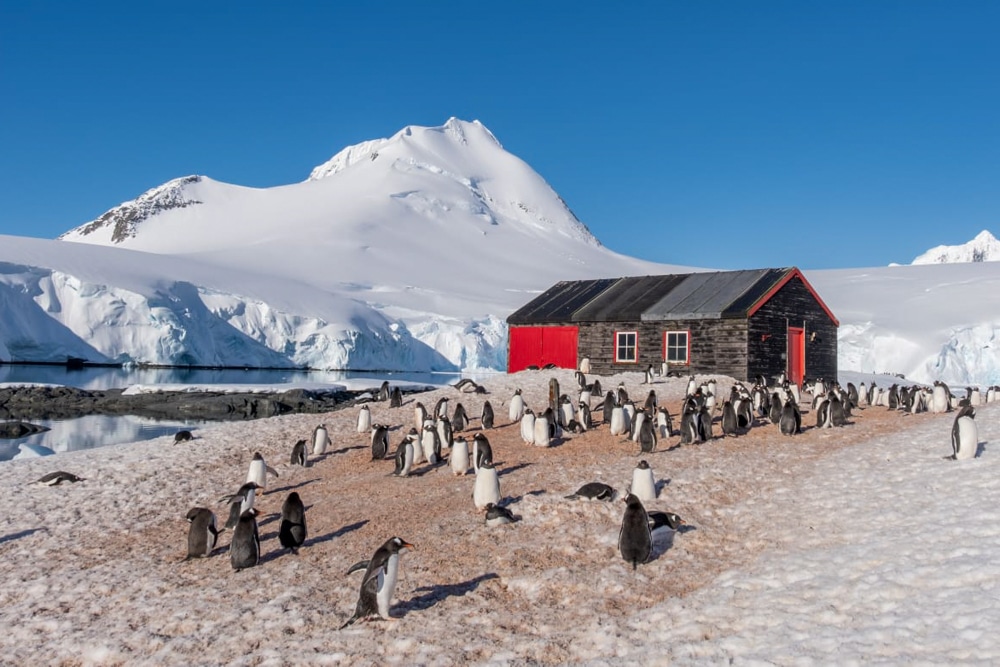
(398,544)
(674,521)
(643,465)
(257,456)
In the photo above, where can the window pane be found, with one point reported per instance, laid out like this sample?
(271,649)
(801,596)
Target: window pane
(625,346)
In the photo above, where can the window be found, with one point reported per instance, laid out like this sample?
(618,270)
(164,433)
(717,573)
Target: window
(676,347)
(625,347)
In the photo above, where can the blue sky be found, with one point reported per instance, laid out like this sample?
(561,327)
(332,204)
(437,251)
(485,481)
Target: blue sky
(725,134)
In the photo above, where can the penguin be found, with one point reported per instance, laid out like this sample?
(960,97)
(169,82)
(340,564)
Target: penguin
(244,550)
(618,421)
(664,424)
(648,375)
(364,419)
(528,426)
(567,412)
(56,478)
(939,398)
(487,487)
(498,516)
(647,436)
(245,497)
(621,396)
(395,398)
(182,436)
(404,458)
(585,397)
(481,451)
(729,419)
(430,443)
(234,514)
(691,387)
(321,440)
(583,416)
(516,408)
(459,420)
(540,437)
(585,365)
(459,457)
(595,388)
(258,472)
(292,529)
(853,395)
(581,378)
(791,420)
(659,520)
(704,424)
(486,420)
(964,434)
(298,457)
(445,436)
(380,441)
(440,408)
(379,581)
(419,415)
(202,534)
(643,485)
(649,405)
(636,425)
(774,414)
(467,386)
(383,391)
(593,491)
(635,539)
(609,407)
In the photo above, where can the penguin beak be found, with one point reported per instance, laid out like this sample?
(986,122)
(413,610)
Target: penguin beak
(407,545)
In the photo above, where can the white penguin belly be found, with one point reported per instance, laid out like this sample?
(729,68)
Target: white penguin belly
(968,438)
(643,485)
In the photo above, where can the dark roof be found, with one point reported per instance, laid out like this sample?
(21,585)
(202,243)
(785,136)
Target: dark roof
(709,295)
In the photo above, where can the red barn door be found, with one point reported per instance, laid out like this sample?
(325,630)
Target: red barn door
(796,354)
(540,346)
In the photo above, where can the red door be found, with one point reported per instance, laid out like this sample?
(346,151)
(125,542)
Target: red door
(540,346)
(796,354)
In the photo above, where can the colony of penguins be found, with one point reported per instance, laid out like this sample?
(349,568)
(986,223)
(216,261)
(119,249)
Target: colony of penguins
(439,437)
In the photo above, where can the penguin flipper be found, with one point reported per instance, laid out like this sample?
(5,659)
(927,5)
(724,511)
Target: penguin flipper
(272,471)
(360,565)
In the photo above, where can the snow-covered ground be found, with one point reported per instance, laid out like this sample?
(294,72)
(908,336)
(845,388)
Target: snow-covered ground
(860,544)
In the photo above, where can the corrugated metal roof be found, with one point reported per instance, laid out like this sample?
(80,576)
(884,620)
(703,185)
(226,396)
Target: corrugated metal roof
(709,295)
(706,295)
(559,302)
(627,299)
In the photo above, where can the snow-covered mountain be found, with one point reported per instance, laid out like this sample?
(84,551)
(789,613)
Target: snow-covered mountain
(405,253)
(983,248)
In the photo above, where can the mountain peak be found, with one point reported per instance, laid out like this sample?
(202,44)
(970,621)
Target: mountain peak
(983,248)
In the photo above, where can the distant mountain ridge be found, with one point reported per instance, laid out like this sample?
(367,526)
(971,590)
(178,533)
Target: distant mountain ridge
(983,248)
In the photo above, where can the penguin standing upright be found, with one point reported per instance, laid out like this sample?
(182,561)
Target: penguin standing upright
(404,457)
(583,416)
(258,472)
(380,441)
(459,420)
(292,529)
(608,409)
(648,376)
(364,419)
(202,535)
(664,423)
(964,434)
(516,408)
(244,550)
(459,457)
(647,436)
(528,426)
(729,419)
(540,437)
(791,420)
(239,502)
(445,435)
(396,397)
(298,457)
(481,451)
(618,421)
(419,415)
(379,582)
(635,540)
(487,488)
(486,420)
(321,440)
(643,485)
(430,443)
(440,408)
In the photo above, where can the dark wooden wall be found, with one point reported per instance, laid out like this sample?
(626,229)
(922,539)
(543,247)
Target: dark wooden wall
(795,306)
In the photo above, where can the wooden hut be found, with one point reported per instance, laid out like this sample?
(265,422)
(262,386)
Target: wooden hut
(736,323)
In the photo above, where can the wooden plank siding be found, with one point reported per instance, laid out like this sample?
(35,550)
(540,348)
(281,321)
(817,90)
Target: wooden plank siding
(793,305)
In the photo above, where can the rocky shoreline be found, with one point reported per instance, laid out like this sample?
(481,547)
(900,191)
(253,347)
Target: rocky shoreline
(26,403)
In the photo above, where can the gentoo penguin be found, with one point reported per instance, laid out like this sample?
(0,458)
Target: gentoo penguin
(298,457)
(609,408)
(383,391)
(664,423)
(939,398)
(618,421)
(459,420)
(486,420)
(321,440)
(583,416)
(637,420)
(647,435)
(498,516)
(245,497)
(202,535)
(964,434)
(430,443)
(643,485)
(791,420)
(528,426)
(379,582)
(774,414)
(585,365)
(648,376)
(487,488)
(56,478)
(481,451)
(540,436)
(244,550)
(729,419)
(395,398)
(567,411)
(440,408)
(182,436)
(621,396)
(459,457)
(404,457)
(516,408)
(292,529)
(364,419)
(635,540)
(443,426)
(380,441)
(649,405)
(692,386)
(259,470)
(419,415)
(659,520)
(593,491)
